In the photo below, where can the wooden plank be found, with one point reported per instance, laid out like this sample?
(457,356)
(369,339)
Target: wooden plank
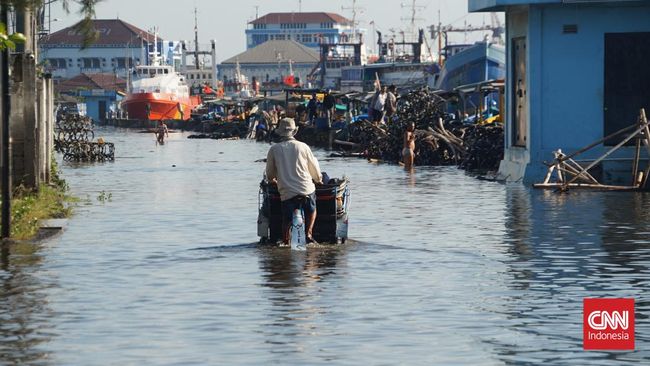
(586,185)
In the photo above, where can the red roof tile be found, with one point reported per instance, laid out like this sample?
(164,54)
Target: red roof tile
(279,18)
(92,81)
(111,32)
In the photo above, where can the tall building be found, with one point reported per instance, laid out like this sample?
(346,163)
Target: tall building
(306,28)
(119,47)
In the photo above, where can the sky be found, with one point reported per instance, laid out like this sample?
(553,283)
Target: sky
(226,20)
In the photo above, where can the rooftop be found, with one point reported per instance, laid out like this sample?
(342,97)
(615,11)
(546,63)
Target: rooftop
(276,51)
(282,18)
(92,81)
(111,32)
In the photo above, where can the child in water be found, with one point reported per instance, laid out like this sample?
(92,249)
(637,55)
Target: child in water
(408,152)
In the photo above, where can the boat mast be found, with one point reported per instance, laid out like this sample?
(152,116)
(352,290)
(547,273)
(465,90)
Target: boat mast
(196,40)
(154,55)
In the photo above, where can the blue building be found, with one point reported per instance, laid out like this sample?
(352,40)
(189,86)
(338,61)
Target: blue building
(576,72)
(101,93)
(306,28)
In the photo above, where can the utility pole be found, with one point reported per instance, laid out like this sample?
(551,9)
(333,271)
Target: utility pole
(439,39)
(414,8)
(196,40)
(355,11)
(6,104)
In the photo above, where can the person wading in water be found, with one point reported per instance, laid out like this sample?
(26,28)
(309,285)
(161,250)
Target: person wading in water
(293,165)
(408,152)
(161,132)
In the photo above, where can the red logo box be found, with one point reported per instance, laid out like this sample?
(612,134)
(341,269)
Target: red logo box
(608,324)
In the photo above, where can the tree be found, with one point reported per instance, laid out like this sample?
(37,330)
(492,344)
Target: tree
(84,27)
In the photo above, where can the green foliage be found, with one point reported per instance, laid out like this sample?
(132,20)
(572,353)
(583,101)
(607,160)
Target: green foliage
(9,40)
(103,197)
(55,177)
(29,207)
(84,27)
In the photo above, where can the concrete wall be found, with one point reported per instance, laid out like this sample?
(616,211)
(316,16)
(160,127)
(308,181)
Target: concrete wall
(565,79)
(31,124)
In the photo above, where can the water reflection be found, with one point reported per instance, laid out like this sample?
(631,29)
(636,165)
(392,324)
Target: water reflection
(565,247)
(452,270)
(24,310)
(295,283)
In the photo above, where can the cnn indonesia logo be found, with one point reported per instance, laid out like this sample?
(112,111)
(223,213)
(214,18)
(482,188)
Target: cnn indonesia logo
(608,324)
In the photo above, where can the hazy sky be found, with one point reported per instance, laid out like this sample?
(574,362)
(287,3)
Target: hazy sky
(226,20)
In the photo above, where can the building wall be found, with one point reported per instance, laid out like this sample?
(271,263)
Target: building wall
(75,66)
(108,56)
(565,79)
(197,78)
(92,99)
(259,71)
(312,31)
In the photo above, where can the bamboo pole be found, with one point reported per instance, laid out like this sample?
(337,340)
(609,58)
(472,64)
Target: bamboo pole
(594,144)
(637,156)
(609,152)
(577,168)
(646,131)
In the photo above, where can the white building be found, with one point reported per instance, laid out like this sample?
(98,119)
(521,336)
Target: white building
(271,62)
(309,29)
(119,47)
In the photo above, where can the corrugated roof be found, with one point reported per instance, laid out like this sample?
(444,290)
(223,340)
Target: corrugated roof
(322,17)
(111,32)
(92,81)
(274,51)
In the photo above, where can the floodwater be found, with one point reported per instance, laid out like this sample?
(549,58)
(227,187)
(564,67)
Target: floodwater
(159,266)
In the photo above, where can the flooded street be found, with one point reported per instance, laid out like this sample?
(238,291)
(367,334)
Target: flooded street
(159,265)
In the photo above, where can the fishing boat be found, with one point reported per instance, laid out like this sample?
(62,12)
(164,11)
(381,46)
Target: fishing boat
(158,92)
(332,204)
(480,62)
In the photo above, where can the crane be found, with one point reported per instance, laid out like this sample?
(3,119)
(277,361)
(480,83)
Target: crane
(440,32)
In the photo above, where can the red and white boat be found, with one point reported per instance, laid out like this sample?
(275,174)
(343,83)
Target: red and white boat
(158,92)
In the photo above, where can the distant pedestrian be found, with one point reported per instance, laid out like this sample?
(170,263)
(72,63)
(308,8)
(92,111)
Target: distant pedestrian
(301,108)
(377,104)
(161,132)
(408,152)
(312,108)
(391,102)
(329,103)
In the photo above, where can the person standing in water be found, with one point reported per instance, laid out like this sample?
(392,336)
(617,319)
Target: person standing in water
(161,132)
(408,152)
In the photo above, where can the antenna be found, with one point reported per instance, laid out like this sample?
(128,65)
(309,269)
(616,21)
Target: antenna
(196,40)
(355,11)
(414,8)
(257,11)
(299,6)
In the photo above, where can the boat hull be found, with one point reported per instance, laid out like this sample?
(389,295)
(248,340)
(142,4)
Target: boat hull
(480,62)
(159,106)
